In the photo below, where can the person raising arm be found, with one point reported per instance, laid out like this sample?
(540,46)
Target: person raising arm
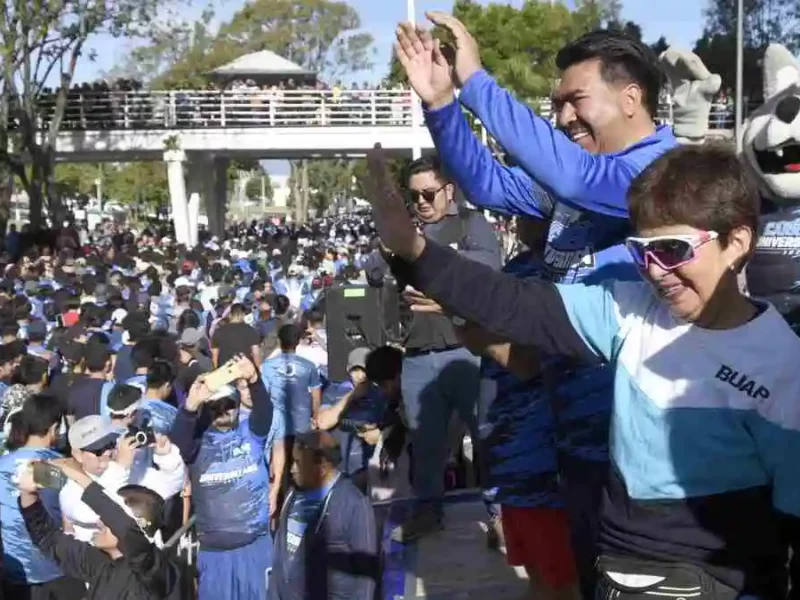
(705,420)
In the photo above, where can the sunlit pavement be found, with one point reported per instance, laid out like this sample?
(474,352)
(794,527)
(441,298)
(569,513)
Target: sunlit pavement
(454,564)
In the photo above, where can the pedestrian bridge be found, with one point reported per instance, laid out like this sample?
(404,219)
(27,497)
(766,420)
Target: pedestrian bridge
(125,126)
(130,126)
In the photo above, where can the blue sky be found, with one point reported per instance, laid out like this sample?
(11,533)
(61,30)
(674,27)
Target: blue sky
(681,21)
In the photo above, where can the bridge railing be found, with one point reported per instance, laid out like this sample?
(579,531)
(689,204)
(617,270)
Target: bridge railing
(187,109)
(232,108)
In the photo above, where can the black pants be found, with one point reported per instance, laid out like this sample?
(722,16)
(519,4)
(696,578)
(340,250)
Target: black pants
(63,588)
(677,581)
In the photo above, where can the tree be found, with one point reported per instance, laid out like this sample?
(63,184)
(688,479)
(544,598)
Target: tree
(320,35)
(253,188)
(42,41)
(660,46)
(519,44)
(140,184)
(329,180)
(765,22)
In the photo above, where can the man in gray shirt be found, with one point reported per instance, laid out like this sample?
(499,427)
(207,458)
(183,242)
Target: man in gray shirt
(439,375)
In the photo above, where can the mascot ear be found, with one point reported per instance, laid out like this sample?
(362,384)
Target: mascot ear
(781,70)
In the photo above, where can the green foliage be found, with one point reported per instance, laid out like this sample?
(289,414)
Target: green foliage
(328,181)
(320,35)
(142,183)
(765,22)
(253,188)
(41,42)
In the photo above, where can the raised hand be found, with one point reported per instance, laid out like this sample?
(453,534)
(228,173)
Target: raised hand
(426,67)
(468,56)
(394,225)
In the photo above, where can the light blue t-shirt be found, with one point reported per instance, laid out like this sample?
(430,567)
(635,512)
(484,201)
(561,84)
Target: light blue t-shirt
(22,561)
(289,380)
(162,414)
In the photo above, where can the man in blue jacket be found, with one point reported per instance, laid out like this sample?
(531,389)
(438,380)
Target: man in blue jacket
(577,176)
(325,544)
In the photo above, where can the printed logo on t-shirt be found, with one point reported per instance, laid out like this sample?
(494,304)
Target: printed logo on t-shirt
(569,244)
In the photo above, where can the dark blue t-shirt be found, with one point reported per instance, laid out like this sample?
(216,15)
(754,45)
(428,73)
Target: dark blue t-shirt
(230,488)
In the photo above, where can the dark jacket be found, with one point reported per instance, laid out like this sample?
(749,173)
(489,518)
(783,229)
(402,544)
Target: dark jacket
(142,573)
(337,558)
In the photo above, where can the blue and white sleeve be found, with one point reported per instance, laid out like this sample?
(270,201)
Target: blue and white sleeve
(577,321)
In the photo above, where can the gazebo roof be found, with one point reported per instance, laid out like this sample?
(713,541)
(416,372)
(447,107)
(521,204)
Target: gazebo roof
(262,64)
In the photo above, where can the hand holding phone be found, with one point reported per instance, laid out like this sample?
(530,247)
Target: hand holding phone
(227,373)
(48,476)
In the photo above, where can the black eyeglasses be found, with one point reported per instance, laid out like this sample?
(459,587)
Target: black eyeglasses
(428,195)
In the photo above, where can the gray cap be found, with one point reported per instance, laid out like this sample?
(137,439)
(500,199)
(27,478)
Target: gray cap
(92,433)
(358,358)
(190,337)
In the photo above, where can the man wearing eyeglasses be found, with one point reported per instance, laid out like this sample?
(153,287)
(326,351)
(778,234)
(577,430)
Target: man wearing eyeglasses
(439,375)
(94,443)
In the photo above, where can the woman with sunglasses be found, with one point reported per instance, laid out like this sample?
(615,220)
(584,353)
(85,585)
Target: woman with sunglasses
(704,493)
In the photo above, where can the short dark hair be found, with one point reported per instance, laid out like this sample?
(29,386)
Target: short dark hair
(322,445)
(122,396)
(282,304)
(95,355)
(142,355)
(32,369)
(37,415)
(424,164)
(289,336)
(702,186)
(161,373)
(384,364)
(238,311)
(622,58)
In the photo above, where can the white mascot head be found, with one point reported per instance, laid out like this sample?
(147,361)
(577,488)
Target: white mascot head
(771,143)
(693,90)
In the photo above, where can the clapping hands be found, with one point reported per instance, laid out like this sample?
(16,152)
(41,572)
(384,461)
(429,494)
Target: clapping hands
(426,67)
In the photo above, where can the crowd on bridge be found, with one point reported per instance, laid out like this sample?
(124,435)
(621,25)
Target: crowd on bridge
(633,411)
(125,104)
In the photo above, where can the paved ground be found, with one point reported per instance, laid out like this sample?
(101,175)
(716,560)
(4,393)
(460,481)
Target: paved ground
(454,564)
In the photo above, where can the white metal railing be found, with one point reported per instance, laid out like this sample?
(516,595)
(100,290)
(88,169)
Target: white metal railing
(188,109)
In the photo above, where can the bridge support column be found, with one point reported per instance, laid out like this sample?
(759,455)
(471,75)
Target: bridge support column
(177,194)
(207,177)
(219,196)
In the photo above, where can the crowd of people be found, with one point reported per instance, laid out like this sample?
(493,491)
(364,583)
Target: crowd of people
(124,104)
(632,410)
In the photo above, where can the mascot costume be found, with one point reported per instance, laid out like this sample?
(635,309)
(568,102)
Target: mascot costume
(771,151)
(693,90)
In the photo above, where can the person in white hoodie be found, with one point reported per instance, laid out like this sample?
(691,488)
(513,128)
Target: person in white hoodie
(94,443)
(158,465)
